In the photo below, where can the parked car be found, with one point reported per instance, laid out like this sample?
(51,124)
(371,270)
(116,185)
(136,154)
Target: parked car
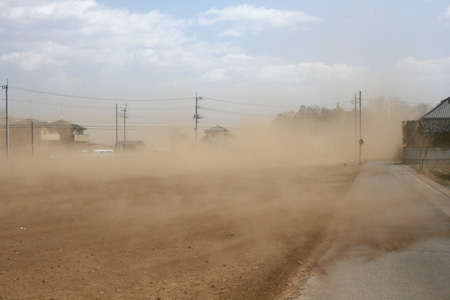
(103,153)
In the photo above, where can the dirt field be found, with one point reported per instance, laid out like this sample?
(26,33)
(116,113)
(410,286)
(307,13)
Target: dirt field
(116,229)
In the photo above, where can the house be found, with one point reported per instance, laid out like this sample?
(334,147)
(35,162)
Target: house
(21,136)
(428,138)
(56,134)
(65,133)
(218,136)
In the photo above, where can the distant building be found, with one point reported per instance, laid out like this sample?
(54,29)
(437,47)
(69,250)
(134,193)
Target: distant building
(65,133)
(219,136)
(131,145)
(56,134)
(20,135)
(428,138)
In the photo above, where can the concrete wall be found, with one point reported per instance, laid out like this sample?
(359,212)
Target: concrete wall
(435,156)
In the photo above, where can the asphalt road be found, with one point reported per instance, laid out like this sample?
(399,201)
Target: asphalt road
(396,244)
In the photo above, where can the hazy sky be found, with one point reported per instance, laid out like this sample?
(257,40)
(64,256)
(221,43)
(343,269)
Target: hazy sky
(280,54)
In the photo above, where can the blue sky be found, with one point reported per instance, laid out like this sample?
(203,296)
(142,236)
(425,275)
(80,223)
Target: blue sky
(266,53)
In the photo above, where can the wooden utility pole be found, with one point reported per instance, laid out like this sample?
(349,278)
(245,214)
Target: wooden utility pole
(32,138)
(196,117)
(356,119)
(125,126)
(117,127)
(5,87)
(360,130)
(361,141)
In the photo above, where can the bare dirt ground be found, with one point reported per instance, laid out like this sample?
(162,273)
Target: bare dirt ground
(82,231)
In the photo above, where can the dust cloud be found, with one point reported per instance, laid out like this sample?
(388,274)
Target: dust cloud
(227,220)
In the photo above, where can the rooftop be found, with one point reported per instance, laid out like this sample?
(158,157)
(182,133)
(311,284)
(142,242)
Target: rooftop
(442,111)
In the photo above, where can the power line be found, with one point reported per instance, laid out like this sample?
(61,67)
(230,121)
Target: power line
(100,107)
(272,105)
(234,112)
(180,99)
(156,119)
(250,104)
(98,98)
(157,100)
(65,105)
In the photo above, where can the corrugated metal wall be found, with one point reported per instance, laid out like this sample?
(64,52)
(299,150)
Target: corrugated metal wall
(434,156)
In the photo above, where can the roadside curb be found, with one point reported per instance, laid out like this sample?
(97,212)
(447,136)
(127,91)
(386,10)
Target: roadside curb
(429,181)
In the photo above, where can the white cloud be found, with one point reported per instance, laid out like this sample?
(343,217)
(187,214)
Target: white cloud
(92,33)
(236,31)
(215,75)
(91,44)
(49,53)
(410,65)
(447,13)
(82,34)
(272,71)
(248,17)
(421,80)
(49,10)
(26,60)
(308,71)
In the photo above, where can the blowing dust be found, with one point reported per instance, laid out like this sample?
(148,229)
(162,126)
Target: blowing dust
(241,220)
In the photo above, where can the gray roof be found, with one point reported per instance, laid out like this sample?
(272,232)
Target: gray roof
(27,123)
(442,111)
(216,128)
(65,124)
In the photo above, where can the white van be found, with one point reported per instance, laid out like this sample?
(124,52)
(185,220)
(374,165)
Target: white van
(103,153)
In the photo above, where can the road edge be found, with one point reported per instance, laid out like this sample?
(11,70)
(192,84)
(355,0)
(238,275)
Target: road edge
(429,181)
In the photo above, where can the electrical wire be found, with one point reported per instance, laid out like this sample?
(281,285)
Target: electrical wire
(98,98)
(271,105)
(100,107)
(249,104)
(234,112)
(64,105)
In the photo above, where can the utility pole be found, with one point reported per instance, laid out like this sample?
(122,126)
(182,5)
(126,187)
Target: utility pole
(196,117)
(32,139)
(117,127)
(5,87)
(361,141)
(125,126)
(356,119)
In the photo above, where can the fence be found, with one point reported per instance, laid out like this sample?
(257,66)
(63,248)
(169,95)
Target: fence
(434,156)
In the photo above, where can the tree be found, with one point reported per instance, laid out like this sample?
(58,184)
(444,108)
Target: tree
(307,114)
(422,108)
(425,134)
